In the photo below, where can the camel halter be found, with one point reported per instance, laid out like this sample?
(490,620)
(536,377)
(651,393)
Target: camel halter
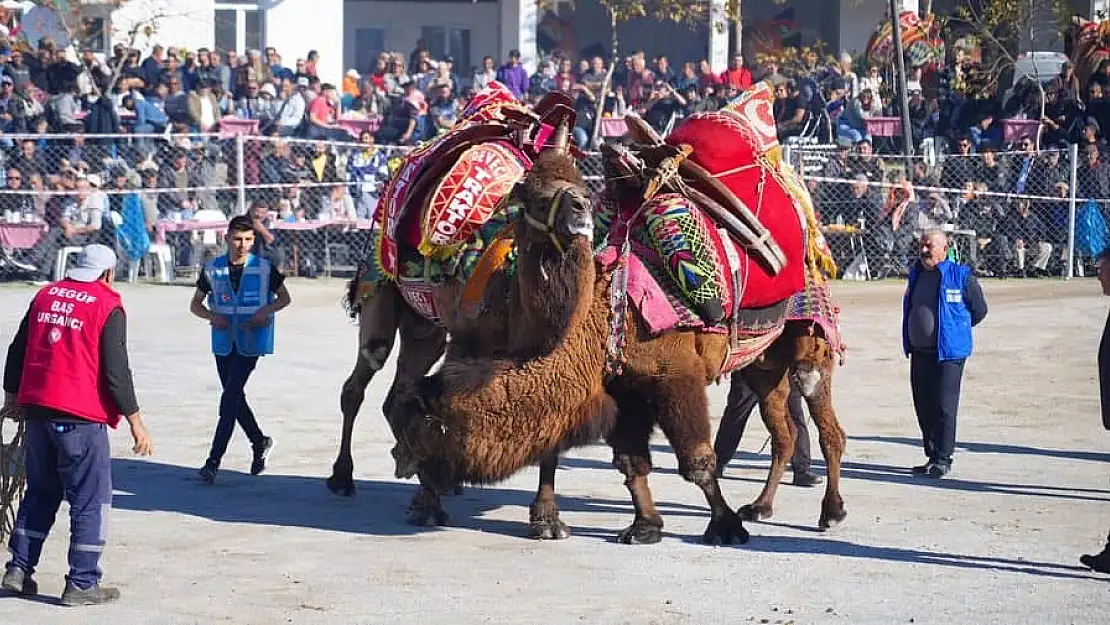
(549,227)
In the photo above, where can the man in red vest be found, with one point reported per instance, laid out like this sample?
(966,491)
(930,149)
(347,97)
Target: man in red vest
(67,374)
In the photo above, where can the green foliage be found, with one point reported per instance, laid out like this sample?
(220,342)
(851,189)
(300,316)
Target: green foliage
(1001,25)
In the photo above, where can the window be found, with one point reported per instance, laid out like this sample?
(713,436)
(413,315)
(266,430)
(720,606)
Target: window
(444,41)
(227,22)
(95,36)
(369,43)
(239,27)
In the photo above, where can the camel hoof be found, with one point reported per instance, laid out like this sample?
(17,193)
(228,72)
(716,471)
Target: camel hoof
(755,512)
(728,529)
(424,517)
(342,486)
(548,529)
(640,533)
(831,520)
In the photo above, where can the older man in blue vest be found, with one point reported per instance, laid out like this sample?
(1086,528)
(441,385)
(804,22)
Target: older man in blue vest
(943,301)
(238,294)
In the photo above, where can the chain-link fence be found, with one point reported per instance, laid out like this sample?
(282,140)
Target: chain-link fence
(1024,213)
(164,201)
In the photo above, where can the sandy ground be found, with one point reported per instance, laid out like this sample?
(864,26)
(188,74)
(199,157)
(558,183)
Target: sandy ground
(997,543)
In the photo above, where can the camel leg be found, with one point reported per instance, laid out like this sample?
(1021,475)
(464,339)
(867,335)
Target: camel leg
(632,457)
(422,344)
(832,439)
(544,521)
(682,411)
(378,322)
(773,387)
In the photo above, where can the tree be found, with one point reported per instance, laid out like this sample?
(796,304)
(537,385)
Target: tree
(690,13)
(76,27)
(1006,27)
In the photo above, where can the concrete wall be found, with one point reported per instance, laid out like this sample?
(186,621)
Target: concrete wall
(296,26)
(402,22)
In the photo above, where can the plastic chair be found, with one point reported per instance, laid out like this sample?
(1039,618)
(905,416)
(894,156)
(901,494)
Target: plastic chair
(62,259)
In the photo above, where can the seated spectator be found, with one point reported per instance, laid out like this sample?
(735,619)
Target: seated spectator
(323,116)
(1030,238)
(149,119)
(403,124)
(665,106)
(984,132)
(737,75)
(442,109)
(204,109)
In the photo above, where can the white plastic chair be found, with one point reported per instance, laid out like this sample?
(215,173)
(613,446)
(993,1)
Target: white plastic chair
(62,259)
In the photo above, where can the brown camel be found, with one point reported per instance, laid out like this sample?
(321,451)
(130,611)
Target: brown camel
(384,312)
(802,354)
(483,420)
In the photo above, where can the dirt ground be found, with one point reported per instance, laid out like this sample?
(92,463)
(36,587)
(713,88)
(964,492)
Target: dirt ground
(996,543)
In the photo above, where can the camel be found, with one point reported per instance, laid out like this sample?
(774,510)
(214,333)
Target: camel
(805,354)
(384,312)
(481,420)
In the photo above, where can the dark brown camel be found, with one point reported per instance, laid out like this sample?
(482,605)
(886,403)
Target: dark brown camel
(384,314)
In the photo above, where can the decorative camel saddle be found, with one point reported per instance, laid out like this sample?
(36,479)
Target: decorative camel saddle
(711,229)
(444,212)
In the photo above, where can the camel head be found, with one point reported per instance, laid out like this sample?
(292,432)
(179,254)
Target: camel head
(813,360)
(423,442)
(556,203)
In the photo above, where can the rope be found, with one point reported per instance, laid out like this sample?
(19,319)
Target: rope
(13,479)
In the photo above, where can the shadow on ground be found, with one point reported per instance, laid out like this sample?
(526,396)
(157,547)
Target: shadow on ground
(378,508)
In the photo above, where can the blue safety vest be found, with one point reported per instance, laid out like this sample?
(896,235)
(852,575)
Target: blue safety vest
(239,307)
(953,317)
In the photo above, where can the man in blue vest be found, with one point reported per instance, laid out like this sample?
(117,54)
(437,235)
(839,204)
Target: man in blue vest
(238,294)
(1101,561)
(943,301)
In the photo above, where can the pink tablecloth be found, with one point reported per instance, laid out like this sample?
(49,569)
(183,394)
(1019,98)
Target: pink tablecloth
(20,235)
(354,127)
(884,126)
(165,226)
(1014,129)
(613,126)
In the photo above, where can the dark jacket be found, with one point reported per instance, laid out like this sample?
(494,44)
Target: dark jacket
(1104,373)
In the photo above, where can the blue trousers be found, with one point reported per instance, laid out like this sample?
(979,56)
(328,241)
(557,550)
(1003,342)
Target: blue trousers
(936,400)
(234,370)
(68,461)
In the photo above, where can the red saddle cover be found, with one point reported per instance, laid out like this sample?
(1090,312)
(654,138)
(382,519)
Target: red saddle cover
(732,145)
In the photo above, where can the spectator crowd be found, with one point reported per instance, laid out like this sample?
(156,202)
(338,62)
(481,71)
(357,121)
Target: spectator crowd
(301,163)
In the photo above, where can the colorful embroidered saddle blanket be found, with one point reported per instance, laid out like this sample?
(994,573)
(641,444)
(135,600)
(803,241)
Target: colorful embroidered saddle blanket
(448,187)
(435,208)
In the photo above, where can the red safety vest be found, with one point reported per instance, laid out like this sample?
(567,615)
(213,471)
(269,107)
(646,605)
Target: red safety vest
(62,367)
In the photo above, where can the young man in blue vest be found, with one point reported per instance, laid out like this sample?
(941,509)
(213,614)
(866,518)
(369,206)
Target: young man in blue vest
(943,301)
(238,294)
(1101,561)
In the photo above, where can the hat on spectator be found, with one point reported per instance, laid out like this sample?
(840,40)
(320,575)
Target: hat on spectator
(844,143)
(94,180)
(268,89)
(7,79)
(353,73)
(92,262)
(302,82)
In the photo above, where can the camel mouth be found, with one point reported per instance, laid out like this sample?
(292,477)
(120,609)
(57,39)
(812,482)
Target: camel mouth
(405,465)
(581,225)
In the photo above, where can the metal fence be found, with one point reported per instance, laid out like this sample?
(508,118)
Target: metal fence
(1008,214)
(164,199)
